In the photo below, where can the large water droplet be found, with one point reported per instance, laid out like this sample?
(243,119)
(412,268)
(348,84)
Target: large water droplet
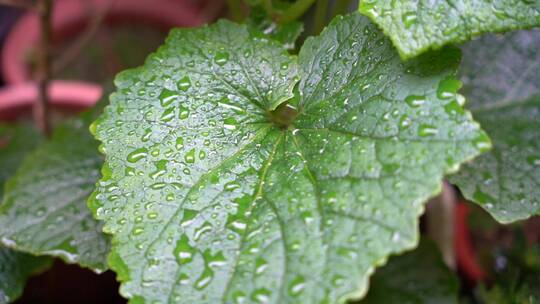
(137,155)
(184,84)
(167,97)
(427,130)
(183,251)
(221,58)
(409,19)
(415,100)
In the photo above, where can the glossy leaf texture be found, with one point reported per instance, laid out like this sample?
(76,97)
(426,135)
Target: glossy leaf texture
(287,33)
(418,25)
(208,200)
(44,207)
(501,77)
(419,276)
(16,267)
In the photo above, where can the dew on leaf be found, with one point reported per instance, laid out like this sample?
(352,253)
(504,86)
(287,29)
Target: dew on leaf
(183,251)
(167,97)
(425,130)
(137,155)
(183,112)
(190,156)
(184,84)
(447,88)
(415,100)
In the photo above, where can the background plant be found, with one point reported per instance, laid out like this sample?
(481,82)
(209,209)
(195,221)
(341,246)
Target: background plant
(245,164)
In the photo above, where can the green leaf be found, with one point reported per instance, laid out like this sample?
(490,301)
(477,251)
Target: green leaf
(213,202)
(287,33)
(16,267)
(416,26)
(419,276)
(501,78)
(44,209)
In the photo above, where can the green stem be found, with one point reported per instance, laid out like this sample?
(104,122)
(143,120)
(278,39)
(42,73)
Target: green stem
(269,8)
(296,10)
(235,9)
(341,7)
(320,16)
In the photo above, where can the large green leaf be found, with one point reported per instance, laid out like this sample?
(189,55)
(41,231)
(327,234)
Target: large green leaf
(16,267)
(418,25)
(44,209)
(418,277)
(502,76)
(208,200)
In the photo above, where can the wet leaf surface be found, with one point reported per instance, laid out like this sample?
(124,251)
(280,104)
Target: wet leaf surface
(416,26)
(501,77)
(208,200)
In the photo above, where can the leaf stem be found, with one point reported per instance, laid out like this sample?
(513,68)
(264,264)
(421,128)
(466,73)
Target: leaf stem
(235,9)
(440,222)
(320,16)
(269,8)
(340,7)
(295,11)
(41,108)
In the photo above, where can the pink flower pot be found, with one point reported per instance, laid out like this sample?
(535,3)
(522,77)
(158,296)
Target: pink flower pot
(16,101)
(71,16)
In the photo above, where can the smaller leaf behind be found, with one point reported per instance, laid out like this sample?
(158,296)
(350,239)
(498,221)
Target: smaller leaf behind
(16,267)
(416,26)
(419,276)
(44,209)
(501,77)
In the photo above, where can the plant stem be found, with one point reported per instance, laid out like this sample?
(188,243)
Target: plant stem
(269,8)
(295,11)
(340,7)
(440,222)
(235,9)
(41,108)
(320,16)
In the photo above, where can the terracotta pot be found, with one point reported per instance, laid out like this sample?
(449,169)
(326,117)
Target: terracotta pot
(71,16)
(65,96)
(466,257)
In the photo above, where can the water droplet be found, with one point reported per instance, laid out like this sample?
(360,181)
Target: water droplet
(230,123)
(453,108)
(167,115)
(427,130)
(167,97)
(415,100)
(482,143)
(448,88)
(183,251)
(137,155)
(297,286)
(190,156)
(183,113)
(184,84)
(534,160)
(221,58)
(231,186)
(188,217)
(261,295)
(482,197)
(409,19)
(179,143)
